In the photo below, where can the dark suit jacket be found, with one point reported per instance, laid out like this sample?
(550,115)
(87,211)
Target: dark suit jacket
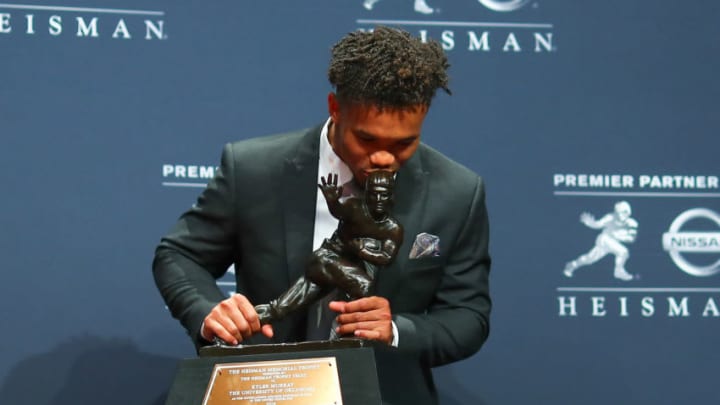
(258,213)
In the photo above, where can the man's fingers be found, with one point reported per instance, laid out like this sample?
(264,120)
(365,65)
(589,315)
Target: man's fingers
(236,325)
(374,315)
(381,331)
(233,319)
(337,306)
(248,313)
(268,331)
(219,330)
(366,318)
(367,334)
(365,304)
(347,328)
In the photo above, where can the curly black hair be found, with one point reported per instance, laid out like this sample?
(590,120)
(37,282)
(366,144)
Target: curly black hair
(387,68)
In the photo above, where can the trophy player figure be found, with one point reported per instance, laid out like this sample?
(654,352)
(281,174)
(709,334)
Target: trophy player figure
(617,228)
(367,237)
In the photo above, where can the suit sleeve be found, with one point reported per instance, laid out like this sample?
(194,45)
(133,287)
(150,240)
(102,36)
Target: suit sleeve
(198,250)
(456,324)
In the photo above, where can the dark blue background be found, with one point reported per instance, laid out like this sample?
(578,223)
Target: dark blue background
(86,125)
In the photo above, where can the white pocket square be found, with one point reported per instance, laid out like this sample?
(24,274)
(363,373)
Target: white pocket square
(425,245)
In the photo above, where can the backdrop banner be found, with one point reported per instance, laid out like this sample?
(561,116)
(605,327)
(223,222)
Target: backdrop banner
(594,124)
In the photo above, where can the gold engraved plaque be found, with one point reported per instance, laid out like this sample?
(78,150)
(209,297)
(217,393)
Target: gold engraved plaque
(282,382)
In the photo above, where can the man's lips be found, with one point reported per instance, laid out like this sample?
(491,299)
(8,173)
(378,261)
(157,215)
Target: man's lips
(366,172)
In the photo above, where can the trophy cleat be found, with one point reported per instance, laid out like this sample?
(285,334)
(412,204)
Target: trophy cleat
(422,7)
(623,275)
(368,4)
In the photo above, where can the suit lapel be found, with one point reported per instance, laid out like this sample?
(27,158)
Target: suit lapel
(299,197)
(410,199)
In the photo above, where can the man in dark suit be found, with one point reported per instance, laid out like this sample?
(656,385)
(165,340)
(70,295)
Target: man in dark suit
(263,213)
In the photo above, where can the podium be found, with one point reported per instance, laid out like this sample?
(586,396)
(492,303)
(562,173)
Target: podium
(318,373)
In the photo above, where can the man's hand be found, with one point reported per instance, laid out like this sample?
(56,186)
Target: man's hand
(233,320)
(367,318)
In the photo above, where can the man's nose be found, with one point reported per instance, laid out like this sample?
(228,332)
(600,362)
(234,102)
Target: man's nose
(382,159)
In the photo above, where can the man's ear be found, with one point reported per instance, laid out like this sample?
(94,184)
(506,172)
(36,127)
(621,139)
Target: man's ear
(333,106)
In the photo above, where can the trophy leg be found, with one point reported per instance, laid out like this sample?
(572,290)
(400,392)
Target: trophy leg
(298,297)
(331,269)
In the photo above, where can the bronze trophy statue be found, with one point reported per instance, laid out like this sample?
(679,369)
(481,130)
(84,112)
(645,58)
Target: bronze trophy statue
(367,238)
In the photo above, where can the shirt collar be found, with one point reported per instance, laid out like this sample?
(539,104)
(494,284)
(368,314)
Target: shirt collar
(330,162)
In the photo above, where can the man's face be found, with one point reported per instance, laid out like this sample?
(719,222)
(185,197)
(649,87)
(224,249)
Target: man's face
(367,139)
(378,199)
